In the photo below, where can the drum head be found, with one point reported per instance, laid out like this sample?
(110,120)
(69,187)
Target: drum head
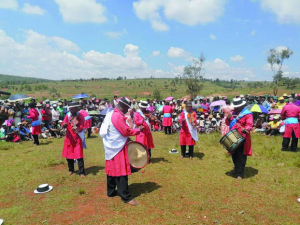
(138,155)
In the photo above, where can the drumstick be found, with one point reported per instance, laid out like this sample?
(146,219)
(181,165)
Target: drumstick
(243,128)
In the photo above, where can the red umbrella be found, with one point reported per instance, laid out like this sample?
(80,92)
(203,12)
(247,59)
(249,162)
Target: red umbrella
(275,111)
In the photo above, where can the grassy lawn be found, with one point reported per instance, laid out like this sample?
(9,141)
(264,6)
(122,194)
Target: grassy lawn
(170,191)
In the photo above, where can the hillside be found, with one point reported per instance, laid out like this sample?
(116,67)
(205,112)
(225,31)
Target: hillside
(137,88)
(12,80)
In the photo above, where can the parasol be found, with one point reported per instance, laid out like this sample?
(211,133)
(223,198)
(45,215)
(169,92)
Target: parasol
(80,96)
(218,103)
(257,108)
(275,111)
(18,98)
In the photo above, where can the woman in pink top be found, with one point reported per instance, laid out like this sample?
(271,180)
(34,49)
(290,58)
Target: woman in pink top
(167,120)
(226,109)
(36,124)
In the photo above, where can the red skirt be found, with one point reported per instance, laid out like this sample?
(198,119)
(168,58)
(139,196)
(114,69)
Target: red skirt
(36,130)
(186,138)
(87,124)
(118,165)
(167,122)
(289,129)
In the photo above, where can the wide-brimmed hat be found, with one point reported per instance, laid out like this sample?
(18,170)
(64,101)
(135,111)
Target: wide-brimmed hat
(285,95)
(125,101)
(280,98)
(238,102)
(173,151)
(43,188)
(73,105)
(54,105)
(276,117)
(60,103)
(1,221)
(143,104)
(262,115)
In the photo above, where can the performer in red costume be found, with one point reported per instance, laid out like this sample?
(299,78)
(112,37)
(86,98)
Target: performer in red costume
(291,114)
(36,123)
(141,118)
(88,120)
(244,124)
(188,132)
(167,120)
(74,139)
(115,133)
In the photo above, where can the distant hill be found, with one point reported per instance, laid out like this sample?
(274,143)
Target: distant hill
(12,80)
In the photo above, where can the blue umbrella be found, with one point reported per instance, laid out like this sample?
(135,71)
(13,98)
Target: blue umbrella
(18,97)
(104,112)
(80,96)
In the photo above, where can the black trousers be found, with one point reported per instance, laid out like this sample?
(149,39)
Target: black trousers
(239,161)
(80,166)
(36,139)
(168,130)
(191,150)
(272,132)
(89,130)
(122,184)
(286,143)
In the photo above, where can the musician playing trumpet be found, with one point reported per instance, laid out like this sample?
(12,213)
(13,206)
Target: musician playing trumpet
(188,132)
(74,140)
(244,124)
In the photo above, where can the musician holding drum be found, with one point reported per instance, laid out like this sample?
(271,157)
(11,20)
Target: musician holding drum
(115,133)
(243,123)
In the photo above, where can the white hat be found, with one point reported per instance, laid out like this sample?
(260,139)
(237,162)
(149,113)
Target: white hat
(43,188)
(1,221)
(238,102)
(143,104)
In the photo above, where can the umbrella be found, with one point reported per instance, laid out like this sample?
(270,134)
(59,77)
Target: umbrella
(18,97)
(80,96)
(275,111)
(169,98)
(94,113)
(257,108)
(104,111)
(218,103)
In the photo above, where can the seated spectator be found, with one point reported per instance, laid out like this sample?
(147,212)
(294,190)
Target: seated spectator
(54,130)
(273,126)
(24,132)
(261,124)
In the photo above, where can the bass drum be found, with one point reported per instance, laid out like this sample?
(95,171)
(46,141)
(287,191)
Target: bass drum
(138,156)
(232,140)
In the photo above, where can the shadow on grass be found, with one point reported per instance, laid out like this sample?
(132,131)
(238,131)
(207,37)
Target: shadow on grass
(137,189)
(45,143)
(199,155)
(249,172)
(94,170)
(157,160)
(91,137)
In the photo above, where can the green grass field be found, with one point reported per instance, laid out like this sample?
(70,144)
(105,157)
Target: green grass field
(170,191)
(139,88)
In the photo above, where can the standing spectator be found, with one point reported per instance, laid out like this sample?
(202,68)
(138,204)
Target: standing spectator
(167,120)
(46,115)
(36,124)
(61,110)
(55,113)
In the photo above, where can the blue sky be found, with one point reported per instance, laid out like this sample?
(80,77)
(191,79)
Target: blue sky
(62,39)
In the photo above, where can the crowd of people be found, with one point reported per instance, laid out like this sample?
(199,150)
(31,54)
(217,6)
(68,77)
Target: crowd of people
(120,118)
(210,119)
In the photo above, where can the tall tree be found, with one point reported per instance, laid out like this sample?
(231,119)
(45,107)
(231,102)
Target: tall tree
(193,76)
(276,59)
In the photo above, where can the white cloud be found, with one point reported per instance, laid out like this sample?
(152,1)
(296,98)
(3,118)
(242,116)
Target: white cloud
(253,32)
(220,69)
(80,11)
(175,52)
(9,4)
(155,53)
(32,9)
(236,58)
(115,34)
(281,48)
(189,12)
(212,37)
(267,67)
(287,11)
(47,57)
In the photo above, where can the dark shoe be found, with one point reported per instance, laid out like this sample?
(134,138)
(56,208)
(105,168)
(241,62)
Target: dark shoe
(283,149)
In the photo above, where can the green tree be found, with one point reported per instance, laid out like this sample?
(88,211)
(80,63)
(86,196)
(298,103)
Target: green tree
(276,59)
(193,76)
(157,94)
